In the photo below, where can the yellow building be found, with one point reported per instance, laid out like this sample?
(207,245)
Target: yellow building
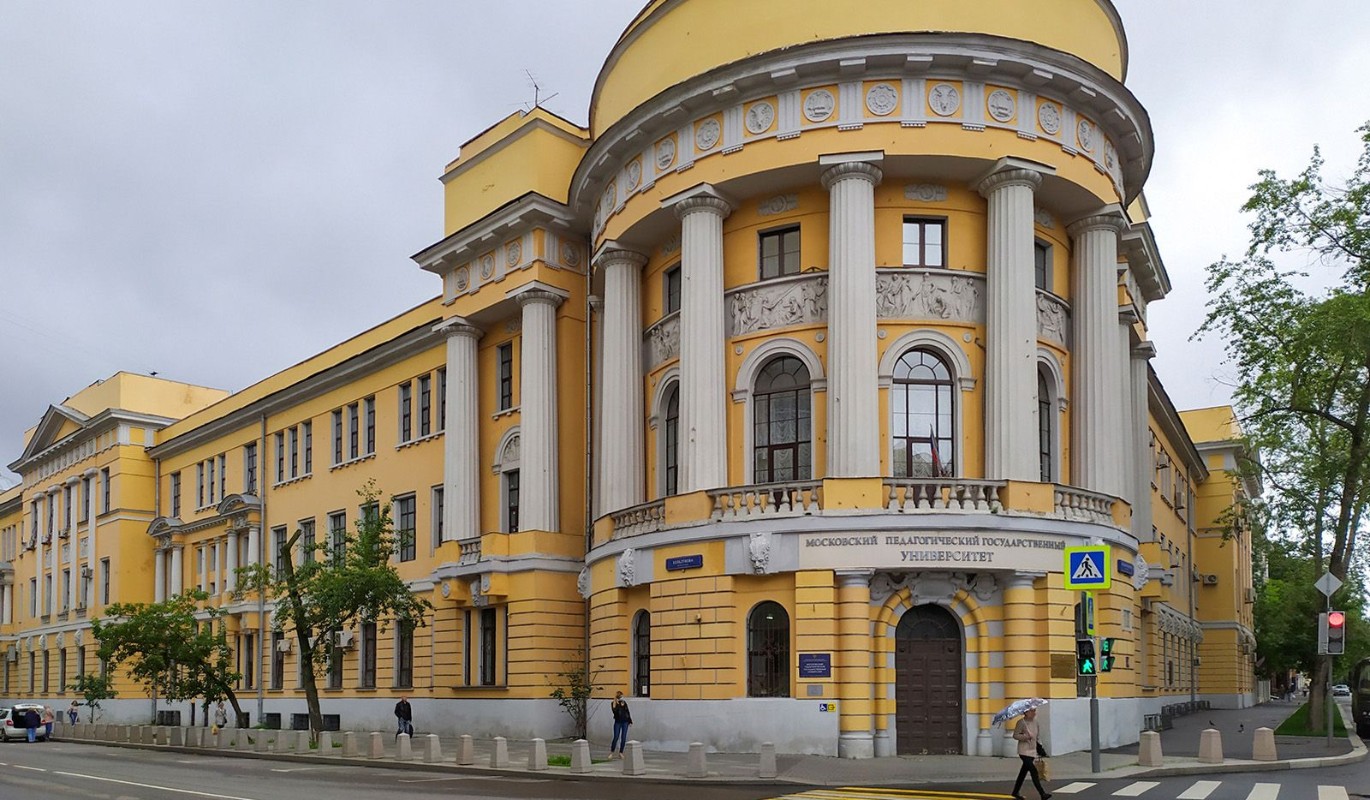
(776,393)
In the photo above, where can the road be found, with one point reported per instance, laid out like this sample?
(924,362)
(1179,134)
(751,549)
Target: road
(61,770)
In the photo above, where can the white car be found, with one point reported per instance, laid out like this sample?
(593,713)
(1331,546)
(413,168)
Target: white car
(1341,690)
(12,724)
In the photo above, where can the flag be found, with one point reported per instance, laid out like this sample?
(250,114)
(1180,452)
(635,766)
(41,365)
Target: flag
(936,457)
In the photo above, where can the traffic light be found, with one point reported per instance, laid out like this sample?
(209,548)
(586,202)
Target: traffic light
(1085,663)
(1336,633)
(1106,655)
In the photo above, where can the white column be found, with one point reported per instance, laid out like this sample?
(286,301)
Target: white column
(254,535)
(623,466)
(231,562)
(90,538)
(1097,430)
(74,545)
(703,388)
(42,512)
(461,441)
(1011,328)
(55,498)
(853,377)
(539,509)
(177,569)
(9,604)
(159,575)
(1141,440)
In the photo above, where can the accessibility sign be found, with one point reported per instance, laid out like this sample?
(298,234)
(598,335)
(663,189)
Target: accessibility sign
(1088,568)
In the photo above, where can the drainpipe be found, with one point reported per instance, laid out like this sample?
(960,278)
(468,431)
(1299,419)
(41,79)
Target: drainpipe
(261,596)
(589,459)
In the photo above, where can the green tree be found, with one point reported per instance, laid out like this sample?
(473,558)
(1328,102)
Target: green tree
(1302,357)
(573,686)
(93,689)
(340,582)
(174,648)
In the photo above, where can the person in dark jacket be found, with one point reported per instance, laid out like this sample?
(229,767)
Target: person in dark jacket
(622,719)
(31,723)
(404,715)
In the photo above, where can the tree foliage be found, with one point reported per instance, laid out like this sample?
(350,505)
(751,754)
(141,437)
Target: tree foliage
(339,582)
(173,648)
(572,687)
(93,689)
(1300,343)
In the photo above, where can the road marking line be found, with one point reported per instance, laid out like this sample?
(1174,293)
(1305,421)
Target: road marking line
(1332,793)
(1075,788)
(1136,788)
(1264,791)
(297,769)
(1200,790)
(153,786)
(35,769)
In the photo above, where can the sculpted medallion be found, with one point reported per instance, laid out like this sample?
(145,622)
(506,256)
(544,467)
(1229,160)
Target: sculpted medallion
(759,117)
(1001,105)
(819,105)
(1049,117)
(944,99)
(882,99)
(665,153)
(707,134)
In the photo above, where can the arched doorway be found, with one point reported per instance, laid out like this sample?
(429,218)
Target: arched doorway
(928,684)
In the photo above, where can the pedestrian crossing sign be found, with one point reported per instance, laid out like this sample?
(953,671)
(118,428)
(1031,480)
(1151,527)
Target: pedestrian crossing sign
(1087,568)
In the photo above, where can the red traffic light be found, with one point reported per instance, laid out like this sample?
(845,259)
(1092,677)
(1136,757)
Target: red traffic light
(1336,619)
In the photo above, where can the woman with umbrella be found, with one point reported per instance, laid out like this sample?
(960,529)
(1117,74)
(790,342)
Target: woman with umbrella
(1026,735)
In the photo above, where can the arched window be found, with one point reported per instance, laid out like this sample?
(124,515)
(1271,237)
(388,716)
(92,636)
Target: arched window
(1046,431)
(923,421)
(768,651)
(670,434)
(642,654)
(782,423)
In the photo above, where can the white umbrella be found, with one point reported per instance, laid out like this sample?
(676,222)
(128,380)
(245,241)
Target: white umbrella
(1018,708)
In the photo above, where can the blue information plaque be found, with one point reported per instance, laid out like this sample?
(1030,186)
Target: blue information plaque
(684,562)
(815,665)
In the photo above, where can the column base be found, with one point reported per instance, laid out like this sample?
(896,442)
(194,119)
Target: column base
(984,744)
(856,745)
(1008,746)
(884,745)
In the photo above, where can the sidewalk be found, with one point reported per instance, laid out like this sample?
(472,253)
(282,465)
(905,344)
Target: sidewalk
(1179,746)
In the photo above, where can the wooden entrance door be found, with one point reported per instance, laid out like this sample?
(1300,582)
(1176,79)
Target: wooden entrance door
(928,684)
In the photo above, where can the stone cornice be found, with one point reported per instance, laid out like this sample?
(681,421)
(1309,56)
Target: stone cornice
(528,211)
(1013,176)
(456,326)
(611,253)
(92,427)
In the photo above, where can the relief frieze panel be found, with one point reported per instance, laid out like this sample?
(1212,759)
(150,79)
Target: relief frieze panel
(939,295)
(661,342)
(778,304)
(1053,319)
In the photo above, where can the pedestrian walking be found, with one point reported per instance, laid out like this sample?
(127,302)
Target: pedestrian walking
(404,716)
(72,713)
(220,717)
(48,718)
(622,719)
(1028,751)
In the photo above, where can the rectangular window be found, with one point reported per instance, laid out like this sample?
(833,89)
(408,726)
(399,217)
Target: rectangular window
(925,242)
(277,660)
(487,646)
(337,535)
(66,589)
(81,660)
(47,671)
(437,515)
(248,661)
(308,448)
(294,452)
(209,484)
(66,507)
(370,425)
(47,594)
(780,252)
(280,457)
(353,430)
(1041,265)
(406,411)
(671,280)
(425,405)
(404,655)
(307,540)
(175,494)
(466,648)
(33,672)
(200,485)
(105,481)
(104,581)
(367,677)
(337,437)
(33,597)
(62,669)
(223,476)
(278,539)
(404,528)
(511,501)
(506,376)
(335,668)
(442,400)
(250,468)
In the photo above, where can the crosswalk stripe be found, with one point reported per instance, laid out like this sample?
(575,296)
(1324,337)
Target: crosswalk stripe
(1332,793)
(1200,790)
(875,793)
(1135,789)
(1074,788)
(1264,791)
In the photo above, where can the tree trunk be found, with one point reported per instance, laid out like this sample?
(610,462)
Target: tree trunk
(1317,695)
(302,634)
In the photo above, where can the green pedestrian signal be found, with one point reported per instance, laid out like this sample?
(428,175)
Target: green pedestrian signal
(1106,655)
(1085,663)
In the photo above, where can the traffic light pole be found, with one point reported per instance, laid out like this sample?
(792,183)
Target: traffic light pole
(1095,763)
(1327,687)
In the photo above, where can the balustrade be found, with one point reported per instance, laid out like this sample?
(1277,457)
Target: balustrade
(767,500)
(470,550)
(1082,505)
(917,494)
(639,519)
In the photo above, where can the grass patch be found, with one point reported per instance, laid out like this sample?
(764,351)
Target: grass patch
(1298,724)
(565,761)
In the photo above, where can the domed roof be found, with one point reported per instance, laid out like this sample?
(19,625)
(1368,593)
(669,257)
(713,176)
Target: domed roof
(671,41)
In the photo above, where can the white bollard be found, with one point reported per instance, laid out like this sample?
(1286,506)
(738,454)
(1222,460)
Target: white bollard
(466,751)
(176,737)
(302,743)
(499,757)
(432,749)
(351,747)
(376,747)
(1211,747)
(264,739)
(1263,746)
(537,757)
(697,763)
(285,743)
(580,756)
(244,740)
(1149,751)
(632,759)
(767,769)
(325,743)
(403,748)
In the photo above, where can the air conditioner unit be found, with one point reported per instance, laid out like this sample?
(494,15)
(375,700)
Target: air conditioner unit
(283,646)
(1210,579)
(343,639)
(12,654)
(87,572)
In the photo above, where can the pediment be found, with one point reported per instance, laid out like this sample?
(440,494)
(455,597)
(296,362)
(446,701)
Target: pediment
(239,502)
(58,422)
(163,526)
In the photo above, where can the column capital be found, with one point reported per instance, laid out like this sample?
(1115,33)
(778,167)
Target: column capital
(1004,179)
(1024,580)
(702,198)
(1143,351)
(854,577)
(458,326)
(611,253)
(860,166)
(537,292)
(1108,218)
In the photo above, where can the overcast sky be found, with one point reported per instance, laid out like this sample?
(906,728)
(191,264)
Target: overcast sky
(215,191)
